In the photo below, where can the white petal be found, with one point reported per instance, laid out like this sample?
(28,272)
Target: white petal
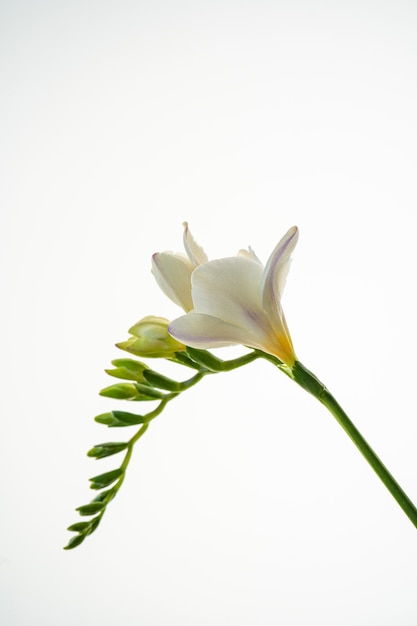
(229,290)
(249,254)
(276,270)
(195,252)
(173,274)
(205,331)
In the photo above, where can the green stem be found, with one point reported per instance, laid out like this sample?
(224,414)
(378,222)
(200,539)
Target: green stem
(186,384)
(142,430)
(233,364)
(310,383)
(209,363)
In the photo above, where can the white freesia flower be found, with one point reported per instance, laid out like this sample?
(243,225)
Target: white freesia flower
(229,301)
(238,301)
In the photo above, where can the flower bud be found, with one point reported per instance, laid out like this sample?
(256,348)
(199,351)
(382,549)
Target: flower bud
(128,369)
(151,339)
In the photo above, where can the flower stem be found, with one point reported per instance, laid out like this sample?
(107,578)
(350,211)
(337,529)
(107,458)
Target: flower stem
(310,383)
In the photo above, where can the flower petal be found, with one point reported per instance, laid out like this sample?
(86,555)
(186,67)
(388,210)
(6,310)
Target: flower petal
(276,270)
(229,290)
(198,330)
(249,254)
(173,274)
(224,286)
(195,252)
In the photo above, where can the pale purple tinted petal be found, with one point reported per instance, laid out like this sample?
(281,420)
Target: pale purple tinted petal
(205,331)
(173,274)
(276,271)
(195,252)
(229,290)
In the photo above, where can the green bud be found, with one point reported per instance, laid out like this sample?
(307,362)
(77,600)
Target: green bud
(160,381)
(131,391)
(128,369)
(106,479)
(90,509)
(120,418)
(123,391)
(105,497)
(74,542)
(94,523)
(102,450)
(79,527)
(151,339)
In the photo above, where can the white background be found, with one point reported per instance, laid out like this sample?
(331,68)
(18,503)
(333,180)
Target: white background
(245,504)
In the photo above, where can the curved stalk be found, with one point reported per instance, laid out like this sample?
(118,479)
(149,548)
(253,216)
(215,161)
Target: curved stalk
(310,383)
